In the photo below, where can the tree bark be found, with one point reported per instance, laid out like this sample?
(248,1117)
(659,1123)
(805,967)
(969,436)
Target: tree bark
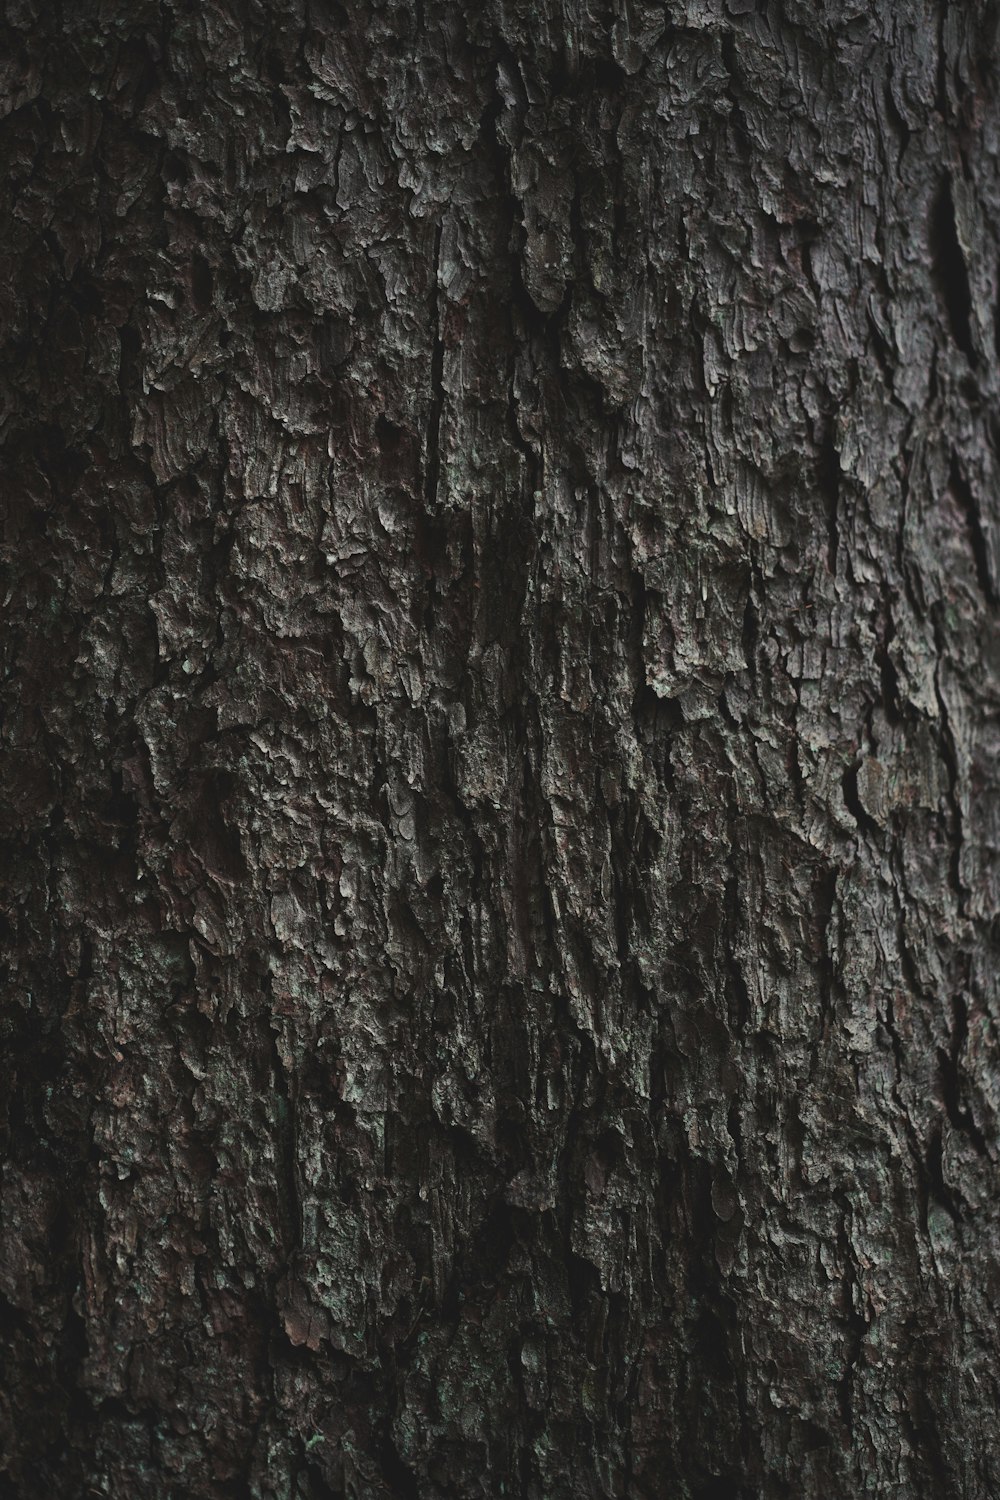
(500,750)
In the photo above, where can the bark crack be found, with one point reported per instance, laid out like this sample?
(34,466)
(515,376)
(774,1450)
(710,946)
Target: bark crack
(432,451)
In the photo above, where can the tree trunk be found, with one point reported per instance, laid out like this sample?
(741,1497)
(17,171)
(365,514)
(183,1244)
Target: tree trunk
(501,750)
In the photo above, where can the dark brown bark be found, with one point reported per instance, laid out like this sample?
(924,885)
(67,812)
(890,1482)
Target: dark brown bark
(501,715)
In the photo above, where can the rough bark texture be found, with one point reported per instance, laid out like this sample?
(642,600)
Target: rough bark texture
(501,749)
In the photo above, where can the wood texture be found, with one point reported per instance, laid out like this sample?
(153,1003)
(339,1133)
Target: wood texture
(500,760)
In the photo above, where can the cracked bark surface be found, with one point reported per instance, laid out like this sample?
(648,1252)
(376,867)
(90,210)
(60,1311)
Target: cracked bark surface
(500,785)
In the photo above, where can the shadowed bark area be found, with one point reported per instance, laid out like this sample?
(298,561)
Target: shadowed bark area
(500,750)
